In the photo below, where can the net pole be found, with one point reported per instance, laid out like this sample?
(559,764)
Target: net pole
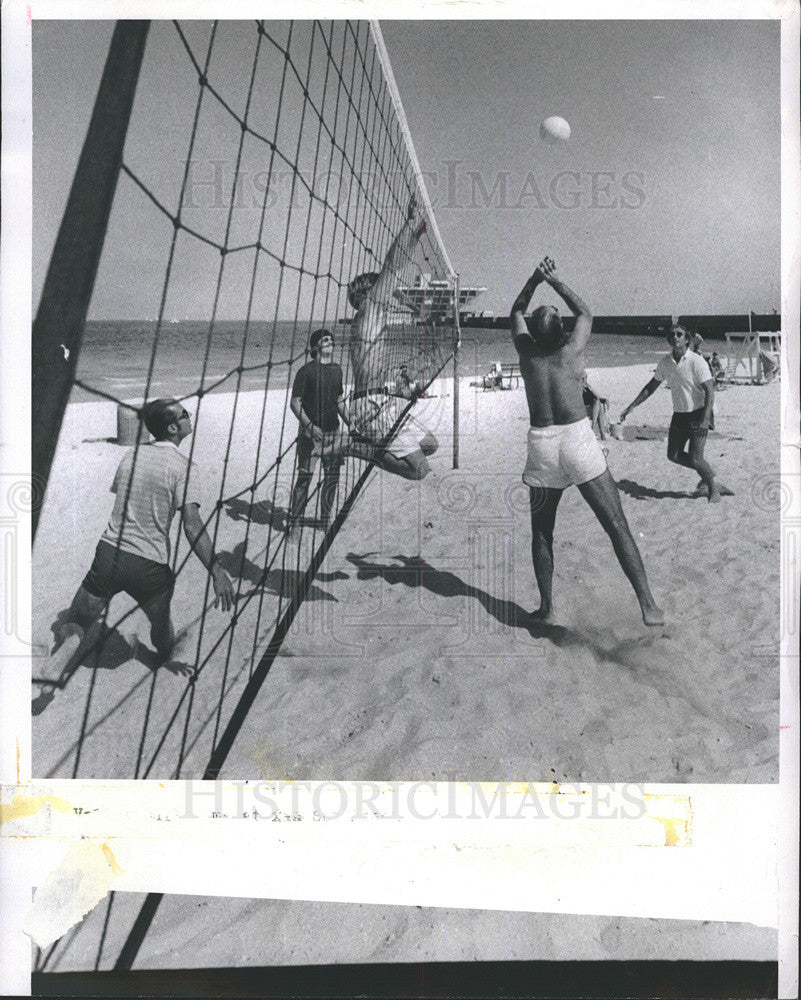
(457,337)
(67,291)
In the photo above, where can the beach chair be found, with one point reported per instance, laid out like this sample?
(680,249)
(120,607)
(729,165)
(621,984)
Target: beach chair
(760,364)
(511,376)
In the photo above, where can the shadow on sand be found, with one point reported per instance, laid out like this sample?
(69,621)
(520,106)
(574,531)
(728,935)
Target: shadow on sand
(414,571)
(639,492)
(278,581)
(262,512)
(110,651)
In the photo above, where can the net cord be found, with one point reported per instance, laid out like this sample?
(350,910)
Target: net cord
(383,55)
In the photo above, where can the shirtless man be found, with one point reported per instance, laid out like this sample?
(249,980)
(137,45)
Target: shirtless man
(373,415)
(371,294)
(562,449)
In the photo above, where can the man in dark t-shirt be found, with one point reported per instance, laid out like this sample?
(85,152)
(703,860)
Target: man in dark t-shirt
(318,402)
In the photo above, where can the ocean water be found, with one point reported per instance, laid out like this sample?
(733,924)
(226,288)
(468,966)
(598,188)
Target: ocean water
(480,349)
(117,356)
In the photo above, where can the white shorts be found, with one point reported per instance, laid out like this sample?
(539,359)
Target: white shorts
(375,416)
(408,438)
(563,455)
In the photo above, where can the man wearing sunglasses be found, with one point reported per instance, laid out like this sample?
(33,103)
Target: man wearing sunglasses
(133,554)
(693,390)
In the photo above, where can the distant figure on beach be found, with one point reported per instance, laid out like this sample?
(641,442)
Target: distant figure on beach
(768,368)
(133,553)
(697,343)
(562,449)
(693,390)
(494,377)
(372,416)
(492,380)
(405,385)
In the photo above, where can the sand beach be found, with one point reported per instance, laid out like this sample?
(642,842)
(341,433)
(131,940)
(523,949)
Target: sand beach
(411,657)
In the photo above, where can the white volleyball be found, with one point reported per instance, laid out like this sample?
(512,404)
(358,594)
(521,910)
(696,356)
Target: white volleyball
(554,130)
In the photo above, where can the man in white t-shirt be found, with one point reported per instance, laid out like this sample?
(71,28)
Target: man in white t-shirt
(693,389)
(133,554)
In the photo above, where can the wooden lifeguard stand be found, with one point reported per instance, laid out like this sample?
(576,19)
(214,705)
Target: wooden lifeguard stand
(757,353)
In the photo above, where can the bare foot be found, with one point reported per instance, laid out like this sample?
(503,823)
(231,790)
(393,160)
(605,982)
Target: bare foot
(68,639)
(653,615)
(714,495)
(702,489)
(543,616)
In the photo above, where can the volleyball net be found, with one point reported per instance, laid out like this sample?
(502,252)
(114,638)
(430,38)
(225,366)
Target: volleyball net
(245,186)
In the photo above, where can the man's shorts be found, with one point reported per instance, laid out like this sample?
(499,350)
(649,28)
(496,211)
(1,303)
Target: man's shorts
(691,421)
(407,439)
(114,571)
(374,415)
(563,455)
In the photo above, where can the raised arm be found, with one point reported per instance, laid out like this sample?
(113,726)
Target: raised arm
(546,272)
(583,327)
(399,253)
(517,319)
(200,542)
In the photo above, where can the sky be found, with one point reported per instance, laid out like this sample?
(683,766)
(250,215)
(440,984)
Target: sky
(689,110)
(665,200)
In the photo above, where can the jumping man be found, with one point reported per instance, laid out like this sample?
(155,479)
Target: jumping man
(373,415)
(562,449)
